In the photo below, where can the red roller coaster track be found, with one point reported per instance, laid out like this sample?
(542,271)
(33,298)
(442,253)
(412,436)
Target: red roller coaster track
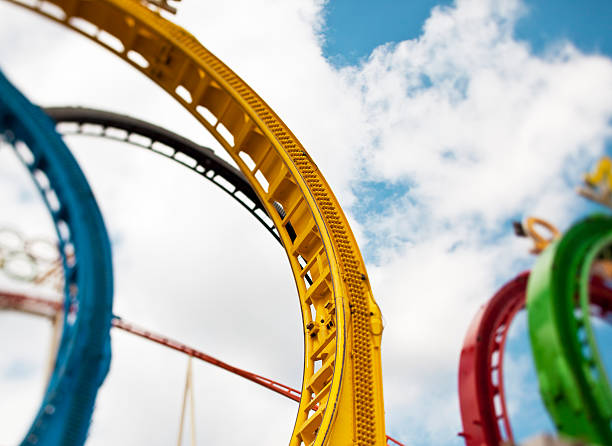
(49,308)
(481,362)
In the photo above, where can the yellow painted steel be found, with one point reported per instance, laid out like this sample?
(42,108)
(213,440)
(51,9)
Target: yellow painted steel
(598,184)
(602,175)
(539,241)
(342,400)
(163,4)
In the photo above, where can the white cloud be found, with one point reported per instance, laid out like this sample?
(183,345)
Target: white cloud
(471,127)
(481,130)
(23,366)
(492,122)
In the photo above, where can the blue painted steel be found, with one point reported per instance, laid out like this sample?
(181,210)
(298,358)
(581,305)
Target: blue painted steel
(83,358)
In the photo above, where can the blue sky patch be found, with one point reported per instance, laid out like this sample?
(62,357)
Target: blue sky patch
(588,25)
(379,196)
(354,28)
(521,385)
(20,369)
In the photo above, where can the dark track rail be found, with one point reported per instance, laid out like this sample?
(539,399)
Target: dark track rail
(200,159)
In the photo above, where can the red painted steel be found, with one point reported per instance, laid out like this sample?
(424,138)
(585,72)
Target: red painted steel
(477,390)
(393,441)
(261,380)
(481,362)
(17,301)
(175,345)
(29,304)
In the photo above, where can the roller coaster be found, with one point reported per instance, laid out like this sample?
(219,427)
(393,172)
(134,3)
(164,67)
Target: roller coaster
(277,182)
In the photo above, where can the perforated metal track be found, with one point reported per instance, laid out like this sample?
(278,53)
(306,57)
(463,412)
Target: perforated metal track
(342,401)
(89,122)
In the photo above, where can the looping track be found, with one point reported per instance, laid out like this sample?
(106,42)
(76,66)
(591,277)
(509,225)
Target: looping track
(342,323)
(202,160)
(481,379)
(50,309)
(481,367)
(83,357)
(573,381)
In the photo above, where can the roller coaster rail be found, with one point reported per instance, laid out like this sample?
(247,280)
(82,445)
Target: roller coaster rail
(83,357)
(50,309)
(481,377)
(341,322)
(78,121)
(341,399)
(200,159)
(481,367)
(576,390)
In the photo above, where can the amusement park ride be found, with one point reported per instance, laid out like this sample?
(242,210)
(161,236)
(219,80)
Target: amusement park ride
(341,399)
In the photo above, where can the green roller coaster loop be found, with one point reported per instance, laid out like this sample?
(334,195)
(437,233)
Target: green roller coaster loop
(572,377)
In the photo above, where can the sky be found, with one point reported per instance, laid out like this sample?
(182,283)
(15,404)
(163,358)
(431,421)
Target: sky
(435,123)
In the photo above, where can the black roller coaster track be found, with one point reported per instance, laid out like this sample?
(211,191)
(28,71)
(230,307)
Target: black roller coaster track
(200,159)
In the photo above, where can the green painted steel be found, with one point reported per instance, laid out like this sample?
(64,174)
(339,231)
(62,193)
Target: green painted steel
(572,378)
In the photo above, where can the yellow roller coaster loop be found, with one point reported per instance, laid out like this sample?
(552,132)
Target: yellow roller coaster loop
(540,242)
(342,400)
(163,4)
(598,184)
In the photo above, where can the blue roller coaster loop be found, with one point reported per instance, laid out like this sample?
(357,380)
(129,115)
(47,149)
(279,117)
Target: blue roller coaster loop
(83,357)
